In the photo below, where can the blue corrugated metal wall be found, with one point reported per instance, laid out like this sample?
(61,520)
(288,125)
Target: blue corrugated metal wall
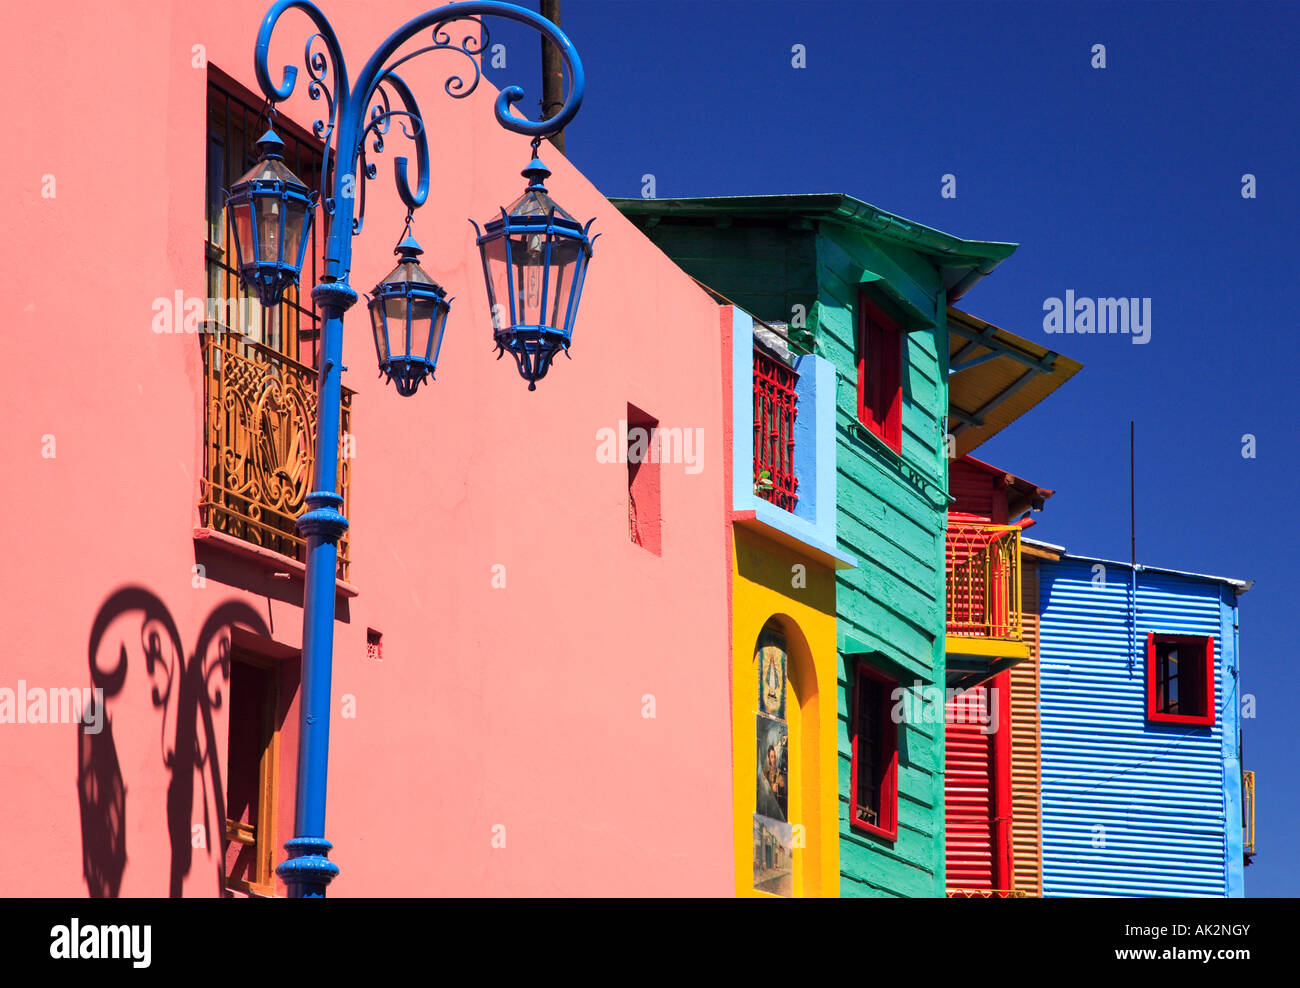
(1131,808)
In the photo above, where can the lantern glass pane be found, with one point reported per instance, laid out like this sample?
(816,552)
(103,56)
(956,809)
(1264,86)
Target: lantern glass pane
(498,290)
(435,338)
(421,327)
(535,203)
(395,312)
(242,218)
(528,255)
(564,258)
(294,220)
(270,212)
(377,324)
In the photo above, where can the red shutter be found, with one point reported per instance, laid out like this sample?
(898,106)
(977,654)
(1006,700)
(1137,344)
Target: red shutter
(969,797)
(880,373)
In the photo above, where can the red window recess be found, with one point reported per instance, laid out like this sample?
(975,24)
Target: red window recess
(880,373)
(775,409)
(644,515)
(1180,679)
(873,775)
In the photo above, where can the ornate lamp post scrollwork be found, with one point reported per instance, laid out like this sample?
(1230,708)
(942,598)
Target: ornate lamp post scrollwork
(534,258)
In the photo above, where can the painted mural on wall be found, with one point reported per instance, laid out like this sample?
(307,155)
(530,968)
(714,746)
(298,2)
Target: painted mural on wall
(770,655)
(773,857)
(773,835)
(773,768)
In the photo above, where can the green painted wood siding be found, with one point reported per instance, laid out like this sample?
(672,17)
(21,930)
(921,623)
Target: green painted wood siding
(893,524)
(765,271)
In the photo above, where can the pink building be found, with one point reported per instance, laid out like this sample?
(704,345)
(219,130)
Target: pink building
(530,676)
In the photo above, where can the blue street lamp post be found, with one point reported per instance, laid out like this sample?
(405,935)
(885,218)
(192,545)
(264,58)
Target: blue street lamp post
(534,262)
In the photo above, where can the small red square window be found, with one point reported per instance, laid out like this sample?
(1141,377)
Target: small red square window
(873,776)
(1180,679)
(880,373)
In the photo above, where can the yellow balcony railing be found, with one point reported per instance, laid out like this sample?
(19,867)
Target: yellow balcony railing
(1248,813)
(987,894)
(260,444)
(983,581)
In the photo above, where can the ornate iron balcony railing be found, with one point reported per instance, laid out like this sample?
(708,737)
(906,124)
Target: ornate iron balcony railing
(260,442)
(987,894)
(983,582)
(775,409)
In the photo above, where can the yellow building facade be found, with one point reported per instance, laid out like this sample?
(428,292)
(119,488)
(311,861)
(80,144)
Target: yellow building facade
(784,719)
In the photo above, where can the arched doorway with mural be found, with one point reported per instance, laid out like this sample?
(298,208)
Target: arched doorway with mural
(784,718)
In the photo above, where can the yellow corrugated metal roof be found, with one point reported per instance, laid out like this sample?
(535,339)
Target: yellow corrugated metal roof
(1007,377)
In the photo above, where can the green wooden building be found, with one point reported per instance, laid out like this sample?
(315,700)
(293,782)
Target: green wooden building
(870,292)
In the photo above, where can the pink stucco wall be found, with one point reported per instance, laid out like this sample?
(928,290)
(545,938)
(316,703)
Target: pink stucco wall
(519,706)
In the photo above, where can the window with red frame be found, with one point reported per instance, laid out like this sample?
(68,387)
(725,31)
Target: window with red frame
(873,776)
(775,408)
(1180,679)
(880,373)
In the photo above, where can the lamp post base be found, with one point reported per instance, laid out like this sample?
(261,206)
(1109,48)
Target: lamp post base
(308,869)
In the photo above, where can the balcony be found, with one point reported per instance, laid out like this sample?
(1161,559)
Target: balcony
(260,442)
(983,599)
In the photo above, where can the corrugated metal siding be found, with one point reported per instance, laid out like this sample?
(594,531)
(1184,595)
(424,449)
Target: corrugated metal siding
(1026,818)
(968,796)
(1128,808)
(978,496)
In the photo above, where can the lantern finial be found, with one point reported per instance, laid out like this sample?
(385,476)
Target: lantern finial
(537,174)
(409,248)
(270,145)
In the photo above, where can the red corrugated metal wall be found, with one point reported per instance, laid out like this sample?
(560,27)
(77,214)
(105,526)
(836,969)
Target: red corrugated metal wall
(1026,777)
(980,495)
(969,796)
(977,790)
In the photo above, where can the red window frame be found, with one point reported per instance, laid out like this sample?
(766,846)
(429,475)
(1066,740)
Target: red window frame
(776,406)
(1201,694)
(886,751)
(880,373)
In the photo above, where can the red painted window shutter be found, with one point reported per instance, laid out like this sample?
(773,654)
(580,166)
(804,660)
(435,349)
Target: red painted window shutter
(880,373)
(873,773)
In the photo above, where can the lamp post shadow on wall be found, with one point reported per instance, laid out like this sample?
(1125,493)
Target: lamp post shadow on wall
(534,261)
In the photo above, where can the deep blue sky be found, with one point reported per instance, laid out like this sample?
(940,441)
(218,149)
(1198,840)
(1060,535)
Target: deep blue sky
(1117,182)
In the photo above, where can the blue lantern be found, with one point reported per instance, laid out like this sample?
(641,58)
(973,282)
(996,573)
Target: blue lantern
(408,312)
(271,211)
(534,261)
